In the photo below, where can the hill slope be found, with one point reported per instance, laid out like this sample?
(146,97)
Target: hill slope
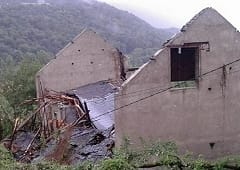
(27,29)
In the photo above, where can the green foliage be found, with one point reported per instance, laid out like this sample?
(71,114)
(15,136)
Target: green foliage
(115,164)
(6,117)
(124,152)
(18,84)
(85,166)
(163,155)
(8,163)
(48,166)
(5,157)
(199,164)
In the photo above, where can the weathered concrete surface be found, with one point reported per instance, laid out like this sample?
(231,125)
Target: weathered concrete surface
(87,59)
(194,117)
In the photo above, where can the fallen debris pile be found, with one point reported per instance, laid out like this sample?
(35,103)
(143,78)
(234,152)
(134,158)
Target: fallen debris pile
(61,130)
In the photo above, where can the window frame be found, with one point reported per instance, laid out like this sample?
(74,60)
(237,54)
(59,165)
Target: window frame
(190,83)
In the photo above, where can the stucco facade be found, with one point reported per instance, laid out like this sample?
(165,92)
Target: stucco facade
(203,119)
(87,59)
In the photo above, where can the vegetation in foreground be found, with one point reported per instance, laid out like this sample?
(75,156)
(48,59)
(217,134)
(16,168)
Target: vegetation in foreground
(158,154)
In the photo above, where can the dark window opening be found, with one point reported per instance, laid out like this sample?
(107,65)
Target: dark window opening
(183,64)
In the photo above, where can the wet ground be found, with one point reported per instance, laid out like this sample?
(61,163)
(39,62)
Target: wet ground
(71,146)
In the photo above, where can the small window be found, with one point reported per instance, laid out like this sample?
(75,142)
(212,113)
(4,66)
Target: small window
(184,65)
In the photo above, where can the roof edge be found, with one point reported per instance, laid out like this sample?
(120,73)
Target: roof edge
(134,74)
(74,39)
(191,21)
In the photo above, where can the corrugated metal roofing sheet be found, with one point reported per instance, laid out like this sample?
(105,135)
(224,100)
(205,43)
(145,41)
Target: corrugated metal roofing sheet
(100,99)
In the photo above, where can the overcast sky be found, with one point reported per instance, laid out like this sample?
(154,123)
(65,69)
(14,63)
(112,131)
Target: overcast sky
(175,13)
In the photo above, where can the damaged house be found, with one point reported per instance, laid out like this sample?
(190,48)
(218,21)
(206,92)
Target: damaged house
(87,59)
(188,92)
(73,90)
(88,68)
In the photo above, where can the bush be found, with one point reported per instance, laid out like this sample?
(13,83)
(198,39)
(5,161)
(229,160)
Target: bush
(115,164)
(6,117)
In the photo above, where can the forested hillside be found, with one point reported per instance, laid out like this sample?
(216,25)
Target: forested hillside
(26,29)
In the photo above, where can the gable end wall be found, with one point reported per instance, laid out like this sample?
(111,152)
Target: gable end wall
(193,117)
(88,59)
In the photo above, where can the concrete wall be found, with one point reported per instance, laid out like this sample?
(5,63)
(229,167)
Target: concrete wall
(87,59)
(192,117)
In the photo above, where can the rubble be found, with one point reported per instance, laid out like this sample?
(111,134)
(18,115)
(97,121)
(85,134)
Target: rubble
(63,132)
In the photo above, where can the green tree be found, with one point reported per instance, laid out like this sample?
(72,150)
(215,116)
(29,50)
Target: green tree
(6,117)
(18,84)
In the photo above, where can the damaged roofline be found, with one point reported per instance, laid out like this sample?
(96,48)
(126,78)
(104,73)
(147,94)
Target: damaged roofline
(137,72)
(64,48)
(72,41)
(86,29)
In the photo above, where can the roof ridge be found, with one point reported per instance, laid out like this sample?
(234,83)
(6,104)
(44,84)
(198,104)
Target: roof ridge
(188,24)
(184,27)
(86,29)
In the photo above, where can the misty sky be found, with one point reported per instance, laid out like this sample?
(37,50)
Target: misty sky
(175,13)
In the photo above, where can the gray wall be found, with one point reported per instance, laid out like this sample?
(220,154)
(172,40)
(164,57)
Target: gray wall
(192,117)
(88,59)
